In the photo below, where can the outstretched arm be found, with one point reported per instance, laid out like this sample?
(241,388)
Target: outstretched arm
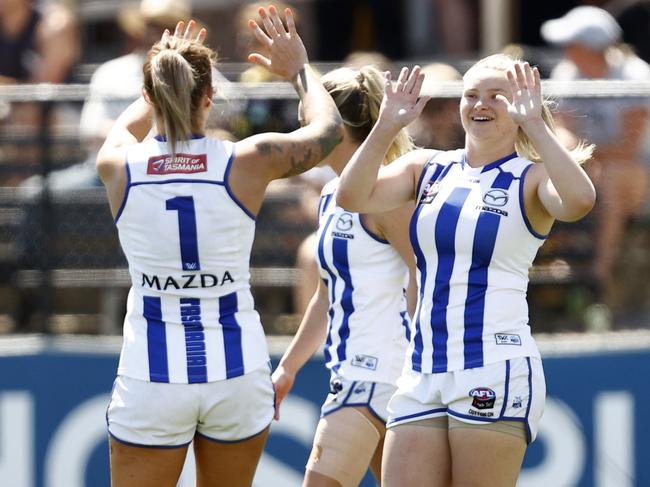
(360,188)
(561,187)
(273,155)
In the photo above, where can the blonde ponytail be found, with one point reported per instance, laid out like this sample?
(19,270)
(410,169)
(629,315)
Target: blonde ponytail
(177,75)
(358,95)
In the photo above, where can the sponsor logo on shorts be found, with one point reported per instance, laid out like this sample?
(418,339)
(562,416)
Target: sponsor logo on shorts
(503,339)
(365,361)
(482,414)
(482,398)
(517,402)
(179,164)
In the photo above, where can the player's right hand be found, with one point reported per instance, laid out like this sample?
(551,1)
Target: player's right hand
(282,383)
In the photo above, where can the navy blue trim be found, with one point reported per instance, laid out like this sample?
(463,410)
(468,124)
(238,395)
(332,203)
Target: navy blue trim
(372,235)
(341,262)
(506,390)
(126,190)
(491,165)
(473,418)
(332,289)
(168,181)
(356,405)
(232,441)
(530,400)
(425,168)
(232,335)
(523,209)
(347,396)
(157,447)
(162,138)
(324,203)
(416,415)
(227,186)
(421,264)
(156,339)
(445,242)
(406,323)
(484,242)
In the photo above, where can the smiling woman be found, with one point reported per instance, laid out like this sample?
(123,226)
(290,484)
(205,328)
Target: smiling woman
(474,376)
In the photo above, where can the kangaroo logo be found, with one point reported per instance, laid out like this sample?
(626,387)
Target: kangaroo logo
(496,197)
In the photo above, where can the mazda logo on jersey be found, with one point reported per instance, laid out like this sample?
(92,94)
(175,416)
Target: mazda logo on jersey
(496,197)
(344,222)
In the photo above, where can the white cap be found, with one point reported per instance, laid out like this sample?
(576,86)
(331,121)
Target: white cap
(589,26)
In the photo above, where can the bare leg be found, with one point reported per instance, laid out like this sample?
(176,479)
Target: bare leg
(416,455)
(232,464)
(133,466)
(348,447)
(480,454)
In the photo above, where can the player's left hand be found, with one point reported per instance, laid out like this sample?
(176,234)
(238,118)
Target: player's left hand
(525,84)
(186,33)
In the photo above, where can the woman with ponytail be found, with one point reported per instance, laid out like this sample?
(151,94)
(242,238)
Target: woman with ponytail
(194,363)
(360,306)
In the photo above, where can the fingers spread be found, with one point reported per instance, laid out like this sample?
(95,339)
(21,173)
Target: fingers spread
(403,77)
(268,24)
(259,34)
(291,24)
(412,80)
(259,59)
(178,32)
(277,22)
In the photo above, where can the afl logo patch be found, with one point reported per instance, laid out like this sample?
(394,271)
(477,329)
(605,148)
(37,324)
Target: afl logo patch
(496,197)
(344,223)
(483,398)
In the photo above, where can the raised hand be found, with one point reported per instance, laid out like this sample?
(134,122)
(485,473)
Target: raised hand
(186,34)
(401,104)
(526,105)
(286,54)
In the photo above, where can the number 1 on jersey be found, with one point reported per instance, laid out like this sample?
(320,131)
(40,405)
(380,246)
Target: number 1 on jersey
(184,205)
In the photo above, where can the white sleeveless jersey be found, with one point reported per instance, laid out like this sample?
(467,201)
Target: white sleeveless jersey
(190,315)
(368,326)
(473,246)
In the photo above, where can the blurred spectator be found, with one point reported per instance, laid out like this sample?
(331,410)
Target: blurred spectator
(590,37)
(438,126)
(358,59)
(260,115)
(38,42)
(634,18)
(360,25)
(116,83)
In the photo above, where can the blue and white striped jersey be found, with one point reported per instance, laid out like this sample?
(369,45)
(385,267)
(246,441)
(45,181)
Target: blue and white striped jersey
(369,326)
(473,246)
(190,315)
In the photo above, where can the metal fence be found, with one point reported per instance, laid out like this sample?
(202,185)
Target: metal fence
(61,268)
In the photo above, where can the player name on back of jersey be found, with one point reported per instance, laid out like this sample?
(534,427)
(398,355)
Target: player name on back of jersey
(179,164)
(185,281)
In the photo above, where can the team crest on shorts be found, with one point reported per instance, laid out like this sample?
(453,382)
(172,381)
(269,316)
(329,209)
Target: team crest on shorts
(482,397)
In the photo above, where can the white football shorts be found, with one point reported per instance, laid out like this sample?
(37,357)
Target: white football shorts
(143,413)
(513,390)
(348,393)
